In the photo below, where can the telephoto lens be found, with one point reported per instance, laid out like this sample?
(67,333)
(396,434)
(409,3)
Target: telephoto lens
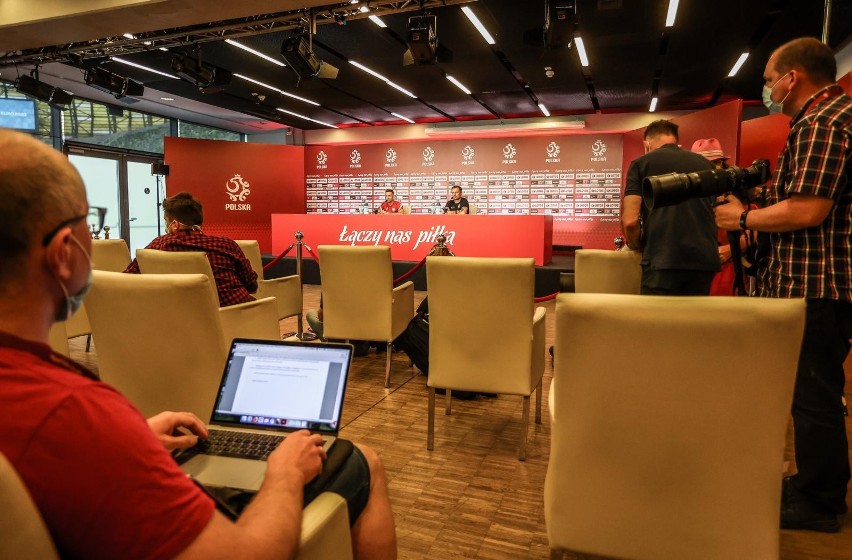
(674,188)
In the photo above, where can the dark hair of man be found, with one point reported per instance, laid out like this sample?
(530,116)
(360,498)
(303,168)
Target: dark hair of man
(389,191)
(810,55)
(183,208)
(37,194)
(456,187)
(660,127)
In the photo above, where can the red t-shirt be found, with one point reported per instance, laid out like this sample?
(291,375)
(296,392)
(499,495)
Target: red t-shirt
(106,487)
(391,207)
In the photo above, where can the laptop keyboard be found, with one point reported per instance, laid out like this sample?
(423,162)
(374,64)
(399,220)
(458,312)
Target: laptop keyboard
(242,445)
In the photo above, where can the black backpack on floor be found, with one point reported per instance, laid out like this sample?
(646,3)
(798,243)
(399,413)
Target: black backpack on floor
(414,340)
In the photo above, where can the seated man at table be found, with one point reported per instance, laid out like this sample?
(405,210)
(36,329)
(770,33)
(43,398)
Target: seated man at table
(100,475)
(390,206)
(235,278)
(457,204)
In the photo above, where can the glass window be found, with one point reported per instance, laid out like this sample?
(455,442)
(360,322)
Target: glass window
(96,123)
(192,130)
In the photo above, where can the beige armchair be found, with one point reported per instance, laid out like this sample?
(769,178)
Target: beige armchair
(24,536)
(110,254)
(286,290)
(58,338)
(607,272)
(485,334)
(405,209)
(154,261)
(667,427)
(472,208)
(359,300)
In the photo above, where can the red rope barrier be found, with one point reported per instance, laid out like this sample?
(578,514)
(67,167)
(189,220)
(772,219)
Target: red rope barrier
(410,272)
(546,298)
(275,261)
(314,255)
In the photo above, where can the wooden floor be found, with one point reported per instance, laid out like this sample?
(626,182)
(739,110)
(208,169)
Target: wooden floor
(470,497)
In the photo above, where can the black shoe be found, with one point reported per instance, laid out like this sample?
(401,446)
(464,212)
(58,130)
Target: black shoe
(488,395)
(361,348)
(796,513)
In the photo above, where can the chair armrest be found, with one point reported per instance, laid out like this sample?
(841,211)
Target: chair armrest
(253,319)
(287,290)
(537,366)
(325,530)
(402,307)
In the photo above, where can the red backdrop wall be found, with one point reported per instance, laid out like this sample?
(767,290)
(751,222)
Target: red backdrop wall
(240,185)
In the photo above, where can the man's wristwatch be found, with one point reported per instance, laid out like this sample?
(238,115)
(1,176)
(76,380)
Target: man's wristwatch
(743,217)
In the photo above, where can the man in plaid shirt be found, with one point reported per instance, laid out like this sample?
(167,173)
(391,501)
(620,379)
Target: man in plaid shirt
(809,217)
(235,278)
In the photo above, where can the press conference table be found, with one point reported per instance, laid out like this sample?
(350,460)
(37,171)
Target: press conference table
(411,236)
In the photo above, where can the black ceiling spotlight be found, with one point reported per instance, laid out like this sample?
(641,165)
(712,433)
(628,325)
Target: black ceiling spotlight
(100,78)
(206,77)
(297,52)
(422,41)
(560,19)
(54,96)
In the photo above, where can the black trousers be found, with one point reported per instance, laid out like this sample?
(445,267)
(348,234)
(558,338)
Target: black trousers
(674,282)
(822,450)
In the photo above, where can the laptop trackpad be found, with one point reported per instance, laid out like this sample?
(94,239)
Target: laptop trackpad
(230,472)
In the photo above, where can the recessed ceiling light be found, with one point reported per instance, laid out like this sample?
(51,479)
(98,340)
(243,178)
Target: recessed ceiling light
(378,21)
(458,84)
(478,25)
(653,106)
(141,67)
(581,51)
(739,64)
(406,119)
(254,52)
(544,109)
(304,117)
(167,98)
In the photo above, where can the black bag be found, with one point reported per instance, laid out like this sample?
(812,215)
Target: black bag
(414,340)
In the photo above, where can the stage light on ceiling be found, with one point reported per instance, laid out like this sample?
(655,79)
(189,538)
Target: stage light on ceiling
(304,117)
(254,52)
(141,67)
(297,52)
(672,13)
(544,109)
(740,61)
(406,119)
(275,89)
(478,25)
(378,21)
(422,41)
(118,86)
(54,96)
(458,84)
(653,106)
(581,51)
(207,78)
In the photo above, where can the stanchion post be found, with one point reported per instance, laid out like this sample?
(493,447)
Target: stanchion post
(440,249)
(300,334)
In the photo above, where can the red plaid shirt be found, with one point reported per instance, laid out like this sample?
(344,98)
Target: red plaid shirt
(235,278)
(815,262)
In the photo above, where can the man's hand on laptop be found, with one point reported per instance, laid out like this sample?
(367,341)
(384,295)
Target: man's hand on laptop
(177,430)
(301,452)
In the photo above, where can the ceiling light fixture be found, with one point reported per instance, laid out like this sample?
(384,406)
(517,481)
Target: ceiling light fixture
(304,117)
(653,106)
(406,119)
(208,78)
(118,86)
(375,74)
(422,41)
(141,67)
(54,96)
(544,109)
(297,51)
(364,9)
(273,88)
(478,25)
(378,21)
(670,15)
(458,84)
(254,52)
(581,51)
(740,61)
(167,98)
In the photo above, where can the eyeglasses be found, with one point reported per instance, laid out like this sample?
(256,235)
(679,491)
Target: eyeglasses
(94,220)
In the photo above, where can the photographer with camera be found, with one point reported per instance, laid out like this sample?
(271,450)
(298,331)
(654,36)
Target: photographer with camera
(809,217)
(678,243)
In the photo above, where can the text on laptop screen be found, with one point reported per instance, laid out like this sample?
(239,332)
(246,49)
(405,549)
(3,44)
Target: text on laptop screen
(271,384)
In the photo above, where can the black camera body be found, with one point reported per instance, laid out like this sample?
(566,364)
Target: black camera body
(674,188)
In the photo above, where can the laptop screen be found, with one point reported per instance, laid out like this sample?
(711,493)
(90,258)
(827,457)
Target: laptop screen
(286,386)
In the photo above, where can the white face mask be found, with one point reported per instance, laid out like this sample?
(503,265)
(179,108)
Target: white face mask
(73,302)
(767,97)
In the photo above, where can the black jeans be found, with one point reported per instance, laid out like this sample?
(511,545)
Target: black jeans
(675,282)
(822,451)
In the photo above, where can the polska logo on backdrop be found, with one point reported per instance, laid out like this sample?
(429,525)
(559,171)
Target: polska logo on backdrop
(552,153)
(390,158)
(322,160)
(509,152)
(468,155)
(598,151)
(237,189)
(428,157)
(355,158)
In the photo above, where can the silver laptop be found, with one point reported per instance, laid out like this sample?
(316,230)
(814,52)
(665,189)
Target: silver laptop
(269,388)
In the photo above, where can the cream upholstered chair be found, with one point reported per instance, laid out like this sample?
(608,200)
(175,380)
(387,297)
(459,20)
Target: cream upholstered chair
(286,290)
(110,254)
(23,534)
(607,272)
(472,208)
(667,429)
(359,300)
(252,319)
(485,334)
(154,261)
(405,209)
(59,338)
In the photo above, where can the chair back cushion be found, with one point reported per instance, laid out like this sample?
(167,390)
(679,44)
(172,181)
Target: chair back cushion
(159,339)
(154,261)
(480,323)
(23,534)
(357,285)
(607,272)
(110,254)
(251,249)
(668,426)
